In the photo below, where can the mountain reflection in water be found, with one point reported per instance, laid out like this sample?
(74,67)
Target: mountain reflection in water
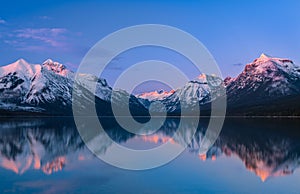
(267,147)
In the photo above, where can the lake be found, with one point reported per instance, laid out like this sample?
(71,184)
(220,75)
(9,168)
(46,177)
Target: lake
(47,155)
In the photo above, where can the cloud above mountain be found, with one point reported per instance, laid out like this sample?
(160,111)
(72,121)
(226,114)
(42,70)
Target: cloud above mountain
(38,38)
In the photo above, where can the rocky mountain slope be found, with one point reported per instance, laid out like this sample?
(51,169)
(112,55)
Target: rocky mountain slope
(267,86)
(47,89)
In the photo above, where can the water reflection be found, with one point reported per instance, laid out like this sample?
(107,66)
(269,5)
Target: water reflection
(268,148)
(37,144)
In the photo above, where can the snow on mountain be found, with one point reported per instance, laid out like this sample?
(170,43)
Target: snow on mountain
(264,80)
(56,67)
(266,76)
(20,67)
(15,78)
(50,84)
(155,95)
(25,84)
(204,89)
(34,87)
(48,88)
(103,90)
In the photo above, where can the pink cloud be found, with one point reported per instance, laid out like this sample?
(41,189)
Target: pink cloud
(40,39)
(53,37)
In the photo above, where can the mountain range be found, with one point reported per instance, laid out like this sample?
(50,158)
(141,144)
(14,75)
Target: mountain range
(48,88)
(266,86)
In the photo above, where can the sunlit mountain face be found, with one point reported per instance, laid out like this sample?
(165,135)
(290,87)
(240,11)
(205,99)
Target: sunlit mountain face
(268,86)
(48,88)
(267,148)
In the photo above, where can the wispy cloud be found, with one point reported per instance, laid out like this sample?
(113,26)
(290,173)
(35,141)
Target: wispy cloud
(38,38)
(44,17)
(2,21)
(51,36)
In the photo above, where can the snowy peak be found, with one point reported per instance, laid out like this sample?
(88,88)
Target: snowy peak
(264,57)
(265,66)
(48,61)
(48,88)
(24,85)
(264,79)
(155,95)
(20,67)
(202,90)
(55,67)
(22,61)
(202,78)
(267,61)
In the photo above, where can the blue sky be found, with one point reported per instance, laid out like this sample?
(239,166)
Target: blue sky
(235,32)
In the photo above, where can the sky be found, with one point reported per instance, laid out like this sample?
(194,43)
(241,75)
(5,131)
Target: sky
(234,32)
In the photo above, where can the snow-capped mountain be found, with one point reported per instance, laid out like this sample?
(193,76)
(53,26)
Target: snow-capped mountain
(35,86)
(265,80)
(268,75)
(204,89)
(47,88)
(267,85)
(156,95)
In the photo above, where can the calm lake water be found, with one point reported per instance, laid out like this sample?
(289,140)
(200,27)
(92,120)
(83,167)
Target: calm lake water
(47,155)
